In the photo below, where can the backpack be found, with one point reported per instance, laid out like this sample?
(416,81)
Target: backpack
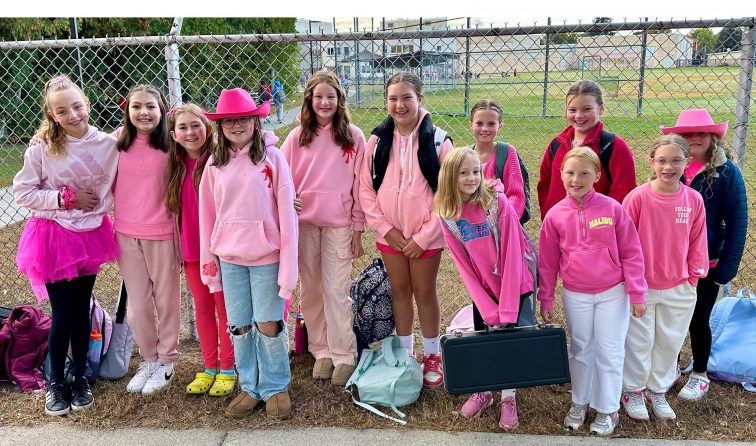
(264,93)
(371,305)
(115,364)
(502,153)
(279,95)
(606,147)
(733,346)
(388,376)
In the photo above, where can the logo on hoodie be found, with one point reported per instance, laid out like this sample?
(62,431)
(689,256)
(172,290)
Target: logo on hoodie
(471,232)
(268,174)
(601,221)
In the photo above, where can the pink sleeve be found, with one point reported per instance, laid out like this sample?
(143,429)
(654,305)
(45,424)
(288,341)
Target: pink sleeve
(698,253)
(630,257)
(288,269)
(511,261)
(514,186)
(209,265)
(549,256)
(368,196)
(358,216)
(431,228)
(287,146)
(28,181)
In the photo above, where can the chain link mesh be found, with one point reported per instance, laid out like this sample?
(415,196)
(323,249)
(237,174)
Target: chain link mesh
(649,71)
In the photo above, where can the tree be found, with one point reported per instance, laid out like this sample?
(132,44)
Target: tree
(603,32)
(560,38)
(729,39)
(705,41)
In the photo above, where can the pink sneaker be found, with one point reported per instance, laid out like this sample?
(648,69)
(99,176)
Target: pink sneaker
(476,404)
(508,418)
(433,376)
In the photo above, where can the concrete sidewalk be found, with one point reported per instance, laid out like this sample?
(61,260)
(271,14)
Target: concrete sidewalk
(53,434)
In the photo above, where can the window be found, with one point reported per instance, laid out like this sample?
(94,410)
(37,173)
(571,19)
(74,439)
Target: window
(346,51)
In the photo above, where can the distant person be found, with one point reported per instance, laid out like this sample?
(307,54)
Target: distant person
(279,99)
(346,82)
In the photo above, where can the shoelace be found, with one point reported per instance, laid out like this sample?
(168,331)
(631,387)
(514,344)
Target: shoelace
(480,397)
(576,411)
(508,404)
(636,400)
(432,362)
(56,391)
(693,382)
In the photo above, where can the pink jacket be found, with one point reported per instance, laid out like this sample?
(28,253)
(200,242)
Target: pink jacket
(404,201)
(672,232)
(593,246)
(478,258)
(247,216)
(327,178)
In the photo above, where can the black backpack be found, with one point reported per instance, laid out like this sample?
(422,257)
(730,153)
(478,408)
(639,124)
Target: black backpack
(502,153)
(606,147)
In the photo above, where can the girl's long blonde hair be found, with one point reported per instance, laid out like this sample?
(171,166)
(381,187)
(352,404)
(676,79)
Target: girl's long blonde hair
(448,202)
(50,131)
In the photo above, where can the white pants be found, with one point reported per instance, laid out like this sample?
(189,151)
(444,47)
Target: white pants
(654,341)
(598,325)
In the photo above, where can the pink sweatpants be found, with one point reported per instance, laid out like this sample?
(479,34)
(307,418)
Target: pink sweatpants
(151,275)
(325,265)
(210,328)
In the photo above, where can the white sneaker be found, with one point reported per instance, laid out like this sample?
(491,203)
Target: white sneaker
(145,370)
(605,423)
(576,416)
(696,387)
(660,406)
(162,376)
(635,406)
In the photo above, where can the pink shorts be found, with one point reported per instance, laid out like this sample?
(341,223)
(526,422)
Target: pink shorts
(386,249)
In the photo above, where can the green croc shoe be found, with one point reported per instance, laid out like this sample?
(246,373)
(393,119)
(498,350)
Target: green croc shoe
(201,384)
(224,385)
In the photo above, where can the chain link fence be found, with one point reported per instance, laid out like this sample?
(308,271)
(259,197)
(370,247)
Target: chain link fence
(649,71)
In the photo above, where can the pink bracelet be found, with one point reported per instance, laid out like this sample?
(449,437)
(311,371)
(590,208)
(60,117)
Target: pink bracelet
(68,194)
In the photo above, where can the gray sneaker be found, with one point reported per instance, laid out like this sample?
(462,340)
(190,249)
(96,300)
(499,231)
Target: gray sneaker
(635,405)
(605,423)
(576,416)
(661,408)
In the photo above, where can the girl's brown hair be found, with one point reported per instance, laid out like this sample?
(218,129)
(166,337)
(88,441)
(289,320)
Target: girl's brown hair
(341,134)
(710,169)
(486,104)
(411,79)
(448,202)
(585,87)
(159,138)
(176,169)
(50,131)
(256,151)
(584,154)
(669,140)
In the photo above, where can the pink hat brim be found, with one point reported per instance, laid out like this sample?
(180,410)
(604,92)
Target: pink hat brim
(262,111)
(718,129)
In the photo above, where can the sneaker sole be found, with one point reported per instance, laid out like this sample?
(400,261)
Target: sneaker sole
(506,428)
(573,427)
(57,413)
(77,408)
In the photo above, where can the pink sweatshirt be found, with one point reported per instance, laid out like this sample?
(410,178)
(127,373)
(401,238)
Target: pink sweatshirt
(140,191)
(90,162)
(326,178)
(477,267)
(672,232)
(190,235)
(514,184)
(404,200)
(593,246)
(247,216)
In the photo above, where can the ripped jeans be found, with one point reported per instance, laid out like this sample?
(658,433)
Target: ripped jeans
(262,361)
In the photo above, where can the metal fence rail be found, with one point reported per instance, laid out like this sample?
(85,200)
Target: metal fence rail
(649,71)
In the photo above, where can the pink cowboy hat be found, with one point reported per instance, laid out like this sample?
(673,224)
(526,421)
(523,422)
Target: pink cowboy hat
(696,120)
(236,103)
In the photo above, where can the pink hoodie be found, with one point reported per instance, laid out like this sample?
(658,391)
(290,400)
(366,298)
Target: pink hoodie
(514,187)
(593,246)
(247,216)
(326,178)
(477,267)
(404,200)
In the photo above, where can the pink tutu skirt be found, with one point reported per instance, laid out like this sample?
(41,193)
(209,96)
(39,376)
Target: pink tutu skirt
(47,252)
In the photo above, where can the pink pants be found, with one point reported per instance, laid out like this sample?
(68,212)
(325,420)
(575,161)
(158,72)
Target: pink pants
(325,265)
(210,328)
(151,275)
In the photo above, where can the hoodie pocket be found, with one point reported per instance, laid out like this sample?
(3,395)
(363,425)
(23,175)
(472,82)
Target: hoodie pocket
(241,239)
(323,209)
(590,268)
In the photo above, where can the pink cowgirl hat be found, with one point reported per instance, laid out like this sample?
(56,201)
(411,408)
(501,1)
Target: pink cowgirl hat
(696,120)
(236,103)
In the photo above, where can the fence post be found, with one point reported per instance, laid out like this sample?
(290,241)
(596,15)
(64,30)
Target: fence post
(357,80)
(467,69)
(745,81)
(75,36)
(642,81)
(546,72)
(173,60)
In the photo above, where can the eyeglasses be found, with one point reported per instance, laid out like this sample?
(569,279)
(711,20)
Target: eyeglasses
(231,122)
(677,162)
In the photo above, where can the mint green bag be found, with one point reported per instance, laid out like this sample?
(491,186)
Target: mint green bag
(389,377)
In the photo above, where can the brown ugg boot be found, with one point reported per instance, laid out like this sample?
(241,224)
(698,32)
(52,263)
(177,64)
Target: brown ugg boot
(323,368)
(241,406)
(279,406)
(341,374)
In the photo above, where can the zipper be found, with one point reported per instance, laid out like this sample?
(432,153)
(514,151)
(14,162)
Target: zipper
(581,214)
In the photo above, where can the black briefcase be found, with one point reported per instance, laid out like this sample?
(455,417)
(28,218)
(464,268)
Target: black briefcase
(504,359)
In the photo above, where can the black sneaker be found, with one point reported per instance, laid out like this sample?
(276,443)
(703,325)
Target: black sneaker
(81,394)
(57,401)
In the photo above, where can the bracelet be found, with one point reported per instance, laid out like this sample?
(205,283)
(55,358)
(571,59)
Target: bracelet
(68,194)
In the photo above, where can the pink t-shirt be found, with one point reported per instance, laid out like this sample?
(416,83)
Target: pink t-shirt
(691,171)
(190,215)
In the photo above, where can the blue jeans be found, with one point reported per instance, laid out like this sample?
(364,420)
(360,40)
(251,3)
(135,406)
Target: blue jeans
(280,111)
(251,294)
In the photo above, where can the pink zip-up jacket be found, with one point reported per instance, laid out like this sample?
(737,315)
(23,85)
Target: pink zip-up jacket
(404,200)
(89,162)
(326,178)
(479,261)
(247,216)
(593,246)
(514,187)
(672,232)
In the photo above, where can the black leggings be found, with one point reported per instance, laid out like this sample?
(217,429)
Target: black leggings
(700,331)
(69,300)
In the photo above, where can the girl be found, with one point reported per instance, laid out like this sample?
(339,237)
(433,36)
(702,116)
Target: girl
(248,236)
(672,229)
(585,105)
(66,182)
(462,202)
(193,142)
(713,174)
(325,154)
(145,232)
(398,179)
(590,241)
